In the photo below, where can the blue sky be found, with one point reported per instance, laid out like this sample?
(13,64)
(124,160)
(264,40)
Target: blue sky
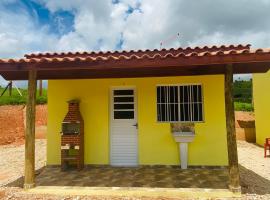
(28,26)
(39,25)
(59,22)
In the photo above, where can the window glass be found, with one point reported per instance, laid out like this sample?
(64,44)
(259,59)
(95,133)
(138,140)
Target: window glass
(123,99)
(181,103)
(123,104)
(123,92)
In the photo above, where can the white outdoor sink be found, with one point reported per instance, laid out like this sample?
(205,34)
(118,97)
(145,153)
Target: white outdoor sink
(183,136)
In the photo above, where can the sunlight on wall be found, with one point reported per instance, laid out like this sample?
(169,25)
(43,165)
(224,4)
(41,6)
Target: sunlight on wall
(261,95)
(156,145)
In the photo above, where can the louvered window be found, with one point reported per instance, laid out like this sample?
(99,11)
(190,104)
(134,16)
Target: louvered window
(180,103)
(123,104)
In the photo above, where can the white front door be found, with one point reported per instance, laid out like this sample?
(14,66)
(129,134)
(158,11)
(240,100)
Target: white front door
(124,138)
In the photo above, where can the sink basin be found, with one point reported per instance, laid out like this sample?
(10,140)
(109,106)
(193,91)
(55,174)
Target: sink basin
(183,136)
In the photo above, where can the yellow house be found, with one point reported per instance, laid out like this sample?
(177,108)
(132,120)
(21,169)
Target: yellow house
(261,84)
(151,142)
(152,107)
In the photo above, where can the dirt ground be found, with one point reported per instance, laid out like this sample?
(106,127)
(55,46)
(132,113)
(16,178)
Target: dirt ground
(245,126)
(12,122)
(244,116)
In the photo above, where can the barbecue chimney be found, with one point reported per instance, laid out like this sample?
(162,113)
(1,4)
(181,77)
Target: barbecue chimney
(72,138)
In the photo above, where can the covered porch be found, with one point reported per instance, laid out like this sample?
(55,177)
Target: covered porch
(157,63)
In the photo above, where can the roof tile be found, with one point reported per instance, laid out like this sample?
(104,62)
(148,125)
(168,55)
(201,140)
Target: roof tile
(139,55)
(140,52)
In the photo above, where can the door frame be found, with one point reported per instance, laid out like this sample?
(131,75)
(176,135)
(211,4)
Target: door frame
(112,88)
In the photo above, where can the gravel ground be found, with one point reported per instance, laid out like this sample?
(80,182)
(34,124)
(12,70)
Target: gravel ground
(12,161)
(254,169)
(15,193)
(254,172)
(251,157)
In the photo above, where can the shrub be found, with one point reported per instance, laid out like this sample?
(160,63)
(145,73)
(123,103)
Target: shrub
(240,106)
(16,99)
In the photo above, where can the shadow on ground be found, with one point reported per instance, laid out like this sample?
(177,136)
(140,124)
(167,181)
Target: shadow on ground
(252,182)
(19,181)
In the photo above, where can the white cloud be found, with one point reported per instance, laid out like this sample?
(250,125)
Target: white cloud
(20,35)
(199,23)
(99,25)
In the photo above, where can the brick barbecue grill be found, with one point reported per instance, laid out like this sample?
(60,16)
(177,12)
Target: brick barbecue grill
(72,138)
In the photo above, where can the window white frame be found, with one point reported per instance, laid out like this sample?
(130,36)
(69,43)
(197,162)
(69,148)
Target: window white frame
(177,85)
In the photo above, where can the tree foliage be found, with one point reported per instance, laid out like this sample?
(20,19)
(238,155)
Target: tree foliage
(242,91)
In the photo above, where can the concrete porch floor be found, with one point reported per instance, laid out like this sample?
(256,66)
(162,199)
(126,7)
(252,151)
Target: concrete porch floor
(144,176)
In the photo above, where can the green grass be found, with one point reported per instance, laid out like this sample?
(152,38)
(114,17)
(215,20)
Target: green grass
(240,106)
(16,99)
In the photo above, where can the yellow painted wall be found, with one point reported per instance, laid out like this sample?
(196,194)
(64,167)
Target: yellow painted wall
(155,143)
(261,94)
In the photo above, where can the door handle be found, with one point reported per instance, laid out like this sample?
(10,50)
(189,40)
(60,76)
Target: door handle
(136,125)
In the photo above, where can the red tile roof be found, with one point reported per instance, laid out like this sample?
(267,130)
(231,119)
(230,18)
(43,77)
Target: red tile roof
(140,53)
(165,62)
(128,55)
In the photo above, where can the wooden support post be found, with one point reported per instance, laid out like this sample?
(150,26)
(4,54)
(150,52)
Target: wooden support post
(40,87)
(231,134)
(10,88)
(29,179)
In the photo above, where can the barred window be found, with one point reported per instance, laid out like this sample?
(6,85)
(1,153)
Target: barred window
(180,103)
